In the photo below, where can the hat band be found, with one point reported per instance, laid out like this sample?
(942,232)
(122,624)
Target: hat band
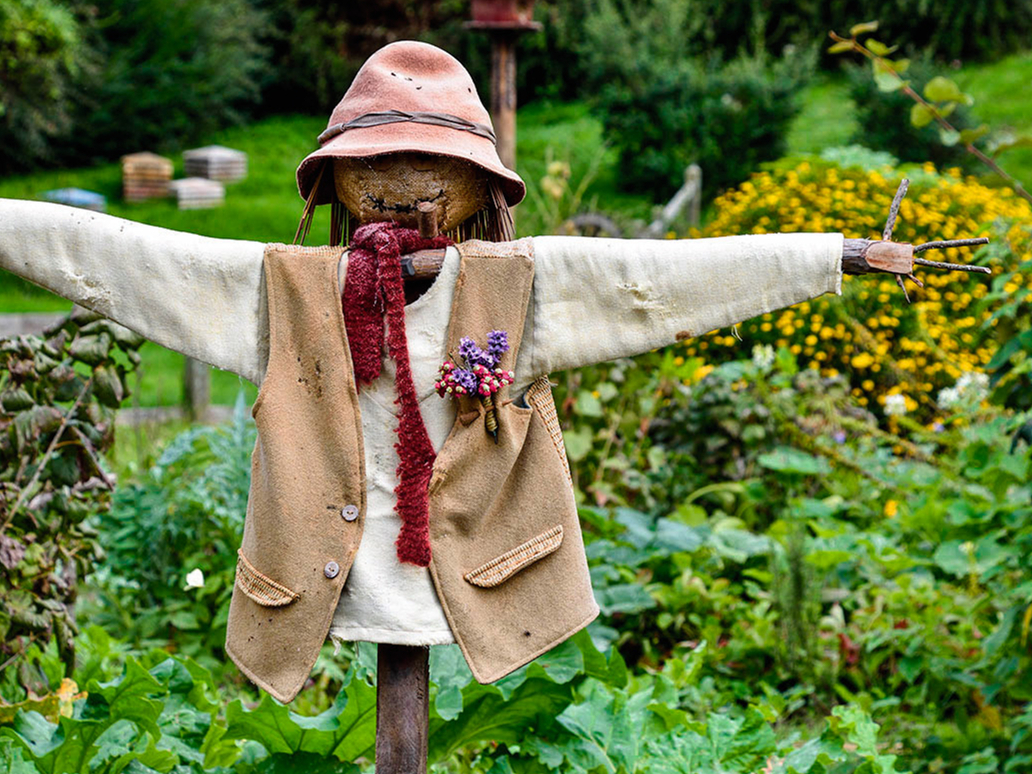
(399,116)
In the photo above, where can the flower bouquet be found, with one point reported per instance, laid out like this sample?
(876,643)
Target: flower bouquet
(478,375)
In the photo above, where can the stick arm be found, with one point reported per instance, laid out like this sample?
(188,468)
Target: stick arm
(197,295)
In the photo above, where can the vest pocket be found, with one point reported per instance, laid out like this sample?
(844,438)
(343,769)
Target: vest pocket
(501,568)
(261,588)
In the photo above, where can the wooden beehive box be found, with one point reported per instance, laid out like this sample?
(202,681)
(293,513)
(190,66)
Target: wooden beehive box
(215,162)
(195,193)
(145,176)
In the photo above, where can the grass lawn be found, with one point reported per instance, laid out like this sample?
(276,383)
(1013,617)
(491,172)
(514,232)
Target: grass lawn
(1003,99)
(827,118)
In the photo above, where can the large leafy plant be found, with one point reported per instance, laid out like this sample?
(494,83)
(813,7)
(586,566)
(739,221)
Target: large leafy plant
(58,394)
(573,710)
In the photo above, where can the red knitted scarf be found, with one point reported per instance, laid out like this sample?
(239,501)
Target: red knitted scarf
(374,290)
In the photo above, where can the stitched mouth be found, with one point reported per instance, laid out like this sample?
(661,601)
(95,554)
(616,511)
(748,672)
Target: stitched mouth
(381,205)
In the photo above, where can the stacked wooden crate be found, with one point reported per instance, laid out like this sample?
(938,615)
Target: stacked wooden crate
(145,176)
(216,162)
(194,193)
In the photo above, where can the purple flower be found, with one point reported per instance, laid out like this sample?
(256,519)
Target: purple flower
(497,345)
(474,355)
(469,351)
(466,379)
(839,436)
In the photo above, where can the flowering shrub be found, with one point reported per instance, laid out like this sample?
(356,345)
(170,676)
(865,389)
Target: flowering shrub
(884,346)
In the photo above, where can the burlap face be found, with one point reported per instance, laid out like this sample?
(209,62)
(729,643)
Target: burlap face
(391,186)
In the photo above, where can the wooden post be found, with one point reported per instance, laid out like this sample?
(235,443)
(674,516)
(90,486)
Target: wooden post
(402,708)
(196,389)
(503,80)
(503,94)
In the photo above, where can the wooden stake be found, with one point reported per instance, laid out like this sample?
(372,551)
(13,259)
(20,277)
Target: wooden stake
(402,708)
(503,94)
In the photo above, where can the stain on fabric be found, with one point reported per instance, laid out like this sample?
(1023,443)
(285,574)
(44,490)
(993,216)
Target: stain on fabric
(311,378)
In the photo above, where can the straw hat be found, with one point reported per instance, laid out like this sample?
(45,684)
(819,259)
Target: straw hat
(413,97)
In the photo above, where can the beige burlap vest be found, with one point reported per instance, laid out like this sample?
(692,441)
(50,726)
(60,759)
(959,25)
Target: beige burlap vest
(508,558)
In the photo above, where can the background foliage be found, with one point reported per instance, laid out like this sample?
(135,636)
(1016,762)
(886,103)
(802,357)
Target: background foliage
(57,396)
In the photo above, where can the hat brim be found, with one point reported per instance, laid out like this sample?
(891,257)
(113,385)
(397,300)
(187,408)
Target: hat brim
(403,137)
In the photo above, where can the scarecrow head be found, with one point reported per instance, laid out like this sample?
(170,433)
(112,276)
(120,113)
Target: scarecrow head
(410,129)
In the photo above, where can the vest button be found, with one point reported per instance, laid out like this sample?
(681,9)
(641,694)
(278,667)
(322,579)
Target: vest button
(331,570)
(349,512)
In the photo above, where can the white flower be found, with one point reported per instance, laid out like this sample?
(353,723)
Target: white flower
(763,356)
(971,388)
(895,404)
(948,397)
(194,579)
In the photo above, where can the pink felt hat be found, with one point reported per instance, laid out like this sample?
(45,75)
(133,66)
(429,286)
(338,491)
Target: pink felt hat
(409,97)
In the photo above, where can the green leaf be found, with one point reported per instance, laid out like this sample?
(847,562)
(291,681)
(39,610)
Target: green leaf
(624,598)
(345,731)
(578,443)
(863,27)
(920,115)
(302,763)
(878,48)
(605,731)
(588,405)
(185,619)
(15,399)
(107,386)
(948,137)
(840,47)
(674,536)
(92,350)
(968,136)
(488,716)
(940,89)
(450,674)
(787,459)
(887,81)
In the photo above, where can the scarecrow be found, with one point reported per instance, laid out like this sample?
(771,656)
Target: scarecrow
(409,481)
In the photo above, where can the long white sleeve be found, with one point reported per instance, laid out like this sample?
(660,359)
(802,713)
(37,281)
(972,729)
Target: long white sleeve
(197,295)
(599,299)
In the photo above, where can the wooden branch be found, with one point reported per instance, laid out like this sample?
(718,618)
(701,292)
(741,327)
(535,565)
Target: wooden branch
(943,244)
(953,266)
(866,256)
(422,263)
(890,223)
